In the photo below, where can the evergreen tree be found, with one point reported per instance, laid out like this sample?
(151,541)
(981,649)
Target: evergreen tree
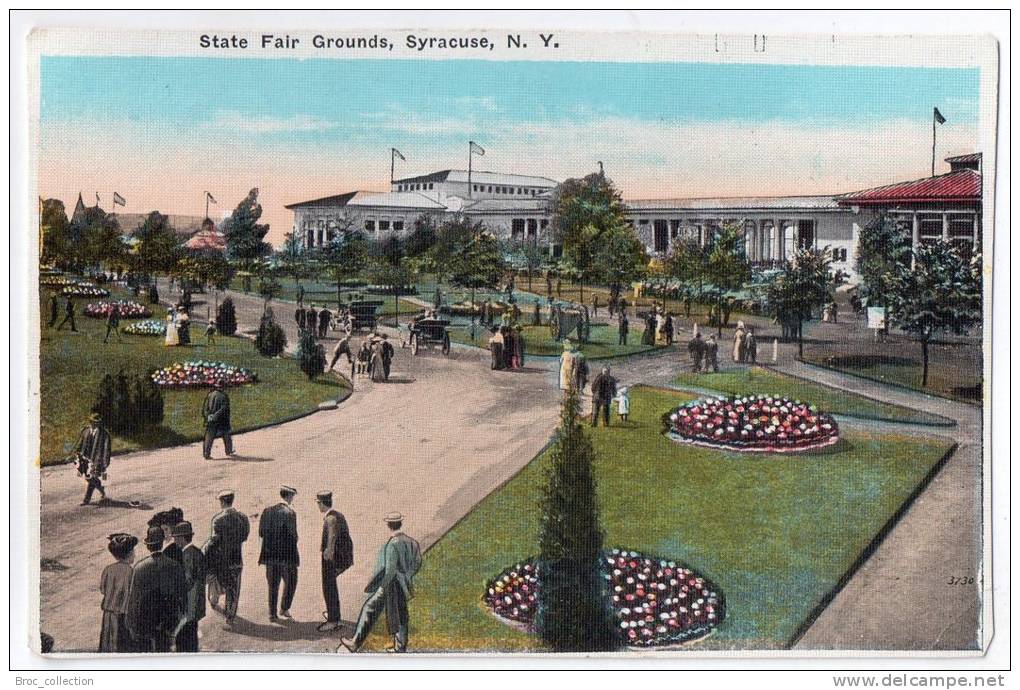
(226,317)
(105,405)
(726,268)
(803,285)
(575,613)
(123,414)
(271,340)
(244,234)
(311,357)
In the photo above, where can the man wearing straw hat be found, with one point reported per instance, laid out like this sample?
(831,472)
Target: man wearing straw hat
(390,588)
(93,454)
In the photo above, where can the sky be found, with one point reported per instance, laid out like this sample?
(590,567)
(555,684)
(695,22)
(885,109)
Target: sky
(163,130)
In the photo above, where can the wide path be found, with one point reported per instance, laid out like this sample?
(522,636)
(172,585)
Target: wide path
(431,443)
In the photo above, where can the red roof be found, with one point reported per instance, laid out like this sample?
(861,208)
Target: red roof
(960,186)
(207,239)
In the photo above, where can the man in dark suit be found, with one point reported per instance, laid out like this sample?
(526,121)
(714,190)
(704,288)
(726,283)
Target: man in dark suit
(324,316)
(93,454)
(624,328)
(391,588)
(312,320)
(68,316)
(223,559)
(603,390)
(387,355)
(194,577)
(337,556)
(53,310)
(216,415)
(299,317)
(155,608)
(278,530)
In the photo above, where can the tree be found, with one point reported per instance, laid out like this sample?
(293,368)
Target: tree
(620,257)
(269,286)
(423,236)
(390,268)
(686,263)
(226,317)
(478,264)
(270,340)
(343,257)
(106,404)
(803,285)
(158,249)
(575,614)
(57,242)
(244,234)
(311,356)
(726,267)
(206,267)
(882,250)
(100,239)
(582,210)
(941,292)
(451,239)
(291,257)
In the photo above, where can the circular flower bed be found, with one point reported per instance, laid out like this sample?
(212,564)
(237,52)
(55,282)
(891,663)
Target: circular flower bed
(755,423)
(128,310)
(56,281)
(84,290)
(149,327)
(657,601)
(202,375)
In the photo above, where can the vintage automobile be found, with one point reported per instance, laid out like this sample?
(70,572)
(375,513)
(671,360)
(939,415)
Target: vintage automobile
(429,332)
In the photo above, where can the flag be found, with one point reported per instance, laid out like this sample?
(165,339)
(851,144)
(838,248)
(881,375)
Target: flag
(476,149)
(210,197)
(399,155)
(118,199)
(938,117)
(97,198)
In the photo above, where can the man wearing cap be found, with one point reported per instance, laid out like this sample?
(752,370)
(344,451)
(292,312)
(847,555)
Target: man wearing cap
(155,607)
(390,588)
(194,577)
(93,453)
(224,563)
(278,530)
(216,415)
(337,556)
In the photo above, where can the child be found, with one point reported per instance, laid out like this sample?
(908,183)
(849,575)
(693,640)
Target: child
(623,403)
(115,585)
(210,334)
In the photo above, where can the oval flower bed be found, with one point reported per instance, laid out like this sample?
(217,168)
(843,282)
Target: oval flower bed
(657,601)
(755,423)
(202,375)
(127,309)
(148,327)
(82,290)
(59,281)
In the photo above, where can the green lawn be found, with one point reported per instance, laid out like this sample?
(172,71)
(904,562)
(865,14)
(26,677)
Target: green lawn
(775,532)
(759,380)
(539,341)
(72,365)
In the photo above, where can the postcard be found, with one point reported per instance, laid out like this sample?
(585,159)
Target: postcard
(509,342)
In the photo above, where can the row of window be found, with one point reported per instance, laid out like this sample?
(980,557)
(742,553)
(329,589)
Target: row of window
(490,189)
(416,187)
(371,225)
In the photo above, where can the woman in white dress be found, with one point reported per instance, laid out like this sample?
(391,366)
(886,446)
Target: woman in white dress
(171,329)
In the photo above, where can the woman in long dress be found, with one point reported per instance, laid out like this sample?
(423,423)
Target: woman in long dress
(171,329)
(567,366)
(377,367)
(738,342)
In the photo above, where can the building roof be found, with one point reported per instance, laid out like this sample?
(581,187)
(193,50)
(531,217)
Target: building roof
(394,200)
(184,226)
(207,239)
(736,204)
(965,158)
(959,186)
(481,177)
(515,205)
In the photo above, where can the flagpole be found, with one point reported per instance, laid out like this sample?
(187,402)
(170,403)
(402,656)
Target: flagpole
(393,163)
(933,122)
(471,151)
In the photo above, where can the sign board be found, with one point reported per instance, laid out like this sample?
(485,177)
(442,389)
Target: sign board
(876,317)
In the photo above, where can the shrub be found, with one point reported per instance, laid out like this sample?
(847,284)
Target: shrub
(311,355)
(128,404)
(271,340)
(105,406)
(226,317)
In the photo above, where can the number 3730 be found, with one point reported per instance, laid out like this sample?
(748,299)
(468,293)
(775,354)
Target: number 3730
(960,581)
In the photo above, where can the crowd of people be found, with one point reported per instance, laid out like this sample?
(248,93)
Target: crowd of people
(506,346)
(155,603)
(320,320)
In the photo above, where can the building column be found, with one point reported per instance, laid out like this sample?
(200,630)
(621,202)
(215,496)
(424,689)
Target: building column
(915,240)
(977,230)
(780,240)
(945,227)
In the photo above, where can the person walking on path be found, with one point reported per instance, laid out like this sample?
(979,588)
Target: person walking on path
(387,355)
(115,586)
(93,456)
(337,556)
(667,329)
(750,347)
(595,304)
(278,530)
(496,348)
(155,607)
(299,317)
(711,354)
(518,358)
(567,360)
(738,342)
(300,295)
(223,554)
(377,365)
(603,390)
(696,349)
(113,323)
(183,326)
(53,310)
(324,316)
(172,337)
(343,347)
(216,415)
(194,578)
(390,588)
(68,316)
(624,328)
(312,320)
(580,372)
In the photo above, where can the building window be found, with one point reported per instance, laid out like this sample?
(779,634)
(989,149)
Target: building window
(430,185)
(544,223)
(490,189)
(643,221)
(370,225)
(384,225)
(661,236)
(532,228)
(674,228)
(398,225)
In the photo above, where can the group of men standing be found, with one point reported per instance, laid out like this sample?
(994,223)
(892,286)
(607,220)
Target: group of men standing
(316,320)
(156,603)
